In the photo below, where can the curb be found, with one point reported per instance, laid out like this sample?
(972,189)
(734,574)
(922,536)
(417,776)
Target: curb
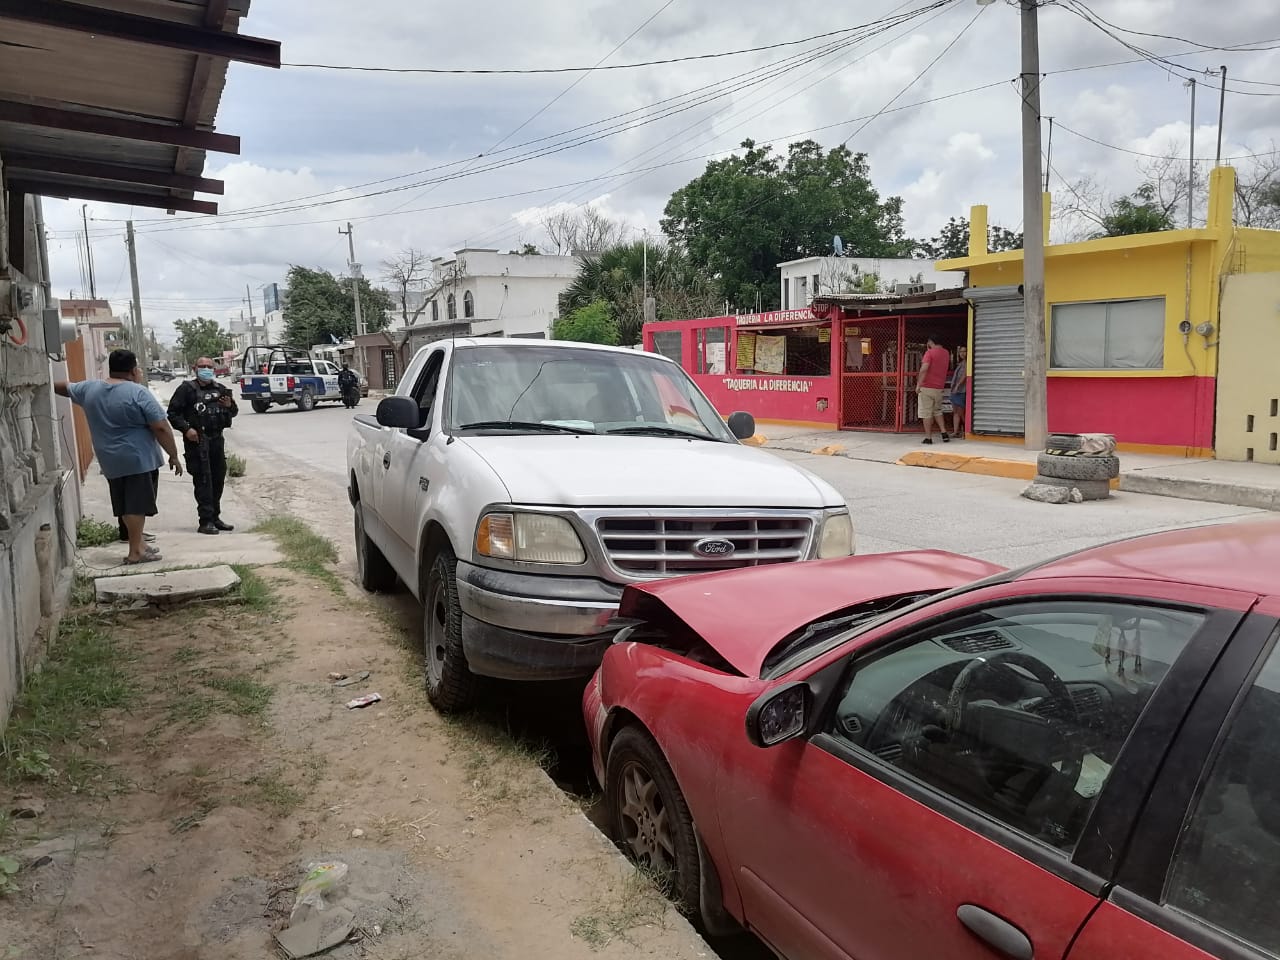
(1208,491)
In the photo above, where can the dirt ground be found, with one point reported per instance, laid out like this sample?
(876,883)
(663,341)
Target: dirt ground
(190,765)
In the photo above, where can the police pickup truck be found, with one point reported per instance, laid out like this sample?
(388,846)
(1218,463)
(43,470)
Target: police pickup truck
(517,486)
(276,376)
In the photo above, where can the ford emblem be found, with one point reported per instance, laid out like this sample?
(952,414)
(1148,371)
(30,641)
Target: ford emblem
(714,547)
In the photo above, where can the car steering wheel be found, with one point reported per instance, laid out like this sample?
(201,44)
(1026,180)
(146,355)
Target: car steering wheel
(1061,783)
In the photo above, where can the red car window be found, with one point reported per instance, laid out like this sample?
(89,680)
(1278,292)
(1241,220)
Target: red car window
(1017,710)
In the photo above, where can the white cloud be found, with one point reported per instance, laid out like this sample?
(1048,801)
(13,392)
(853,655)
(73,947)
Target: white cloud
(309,132)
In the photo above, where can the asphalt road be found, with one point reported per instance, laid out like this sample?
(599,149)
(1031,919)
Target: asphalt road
(894,508)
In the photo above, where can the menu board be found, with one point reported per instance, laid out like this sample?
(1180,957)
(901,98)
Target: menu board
(746,351)
(771,354)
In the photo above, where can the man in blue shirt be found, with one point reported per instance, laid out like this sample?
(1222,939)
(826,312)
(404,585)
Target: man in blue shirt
(129,428)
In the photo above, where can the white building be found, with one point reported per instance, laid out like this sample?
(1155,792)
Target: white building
(492,293)
(802,280)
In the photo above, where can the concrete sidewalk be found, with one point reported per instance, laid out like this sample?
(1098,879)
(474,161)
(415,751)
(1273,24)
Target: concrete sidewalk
(175,530)
(1254,485)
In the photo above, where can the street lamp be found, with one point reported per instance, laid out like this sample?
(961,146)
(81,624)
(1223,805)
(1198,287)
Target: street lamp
(1035,415)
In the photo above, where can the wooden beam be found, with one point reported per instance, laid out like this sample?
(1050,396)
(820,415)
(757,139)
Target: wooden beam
(33,163)
(69,191)
(104,22)
(125,128)
(17,238)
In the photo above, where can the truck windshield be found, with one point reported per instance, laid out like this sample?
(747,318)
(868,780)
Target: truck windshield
(590,391)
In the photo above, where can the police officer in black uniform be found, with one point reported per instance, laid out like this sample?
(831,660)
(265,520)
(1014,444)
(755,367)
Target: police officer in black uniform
(349,385)
(200,410)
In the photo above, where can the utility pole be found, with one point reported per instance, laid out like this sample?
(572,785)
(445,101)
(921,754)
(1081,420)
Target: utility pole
(136,334)
(88,249)
(1191,161)
(1036,417)
(253,329)
(355,277)
(1222,109)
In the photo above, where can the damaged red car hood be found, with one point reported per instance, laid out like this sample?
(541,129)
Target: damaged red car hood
(743,614)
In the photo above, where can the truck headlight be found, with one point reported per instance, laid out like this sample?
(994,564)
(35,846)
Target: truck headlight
(529,538)
(837,536)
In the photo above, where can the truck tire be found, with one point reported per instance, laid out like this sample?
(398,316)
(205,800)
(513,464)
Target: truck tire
(1078,468)
(376,574)
(1089,489)
(259,405)
(451,686)
(307,400)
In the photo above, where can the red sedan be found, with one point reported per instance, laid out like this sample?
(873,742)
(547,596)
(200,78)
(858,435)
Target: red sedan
(901,756)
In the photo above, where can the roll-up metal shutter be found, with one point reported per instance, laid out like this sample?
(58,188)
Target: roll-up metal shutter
(999,392)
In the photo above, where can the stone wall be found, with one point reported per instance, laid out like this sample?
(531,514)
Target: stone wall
(37,508)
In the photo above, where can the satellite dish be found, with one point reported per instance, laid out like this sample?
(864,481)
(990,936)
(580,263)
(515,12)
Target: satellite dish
(838,246)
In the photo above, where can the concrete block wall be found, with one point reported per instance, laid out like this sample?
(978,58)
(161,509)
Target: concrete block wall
(36,505)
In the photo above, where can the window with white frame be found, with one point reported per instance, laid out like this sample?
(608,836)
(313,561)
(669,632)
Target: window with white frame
(1108,335)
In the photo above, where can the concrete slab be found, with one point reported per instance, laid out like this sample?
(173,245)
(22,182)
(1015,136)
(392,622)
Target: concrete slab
(173,586)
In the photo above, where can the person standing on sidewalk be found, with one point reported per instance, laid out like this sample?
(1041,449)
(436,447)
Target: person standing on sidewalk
(129,429)
(958,393)
(200,410)
(930,383)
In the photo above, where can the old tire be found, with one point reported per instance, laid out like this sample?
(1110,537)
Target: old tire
(649,818)
(450,684)
(1078,468)
(259,405)
(1066,442)
(1089,489)
(376,574)
(307,401)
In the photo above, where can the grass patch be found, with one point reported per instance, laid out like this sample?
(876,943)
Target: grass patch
(82,591)
(95,533)
(304,549)
(495,762)
(236,465)
(271,791)
(639,903)
(243,697)
(253,592)
(83,676)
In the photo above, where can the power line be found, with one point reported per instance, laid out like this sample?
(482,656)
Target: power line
(1156,156)
(499,71)
(1256,46)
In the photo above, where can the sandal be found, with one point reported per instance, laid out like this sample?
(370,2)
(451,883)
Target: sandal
(150,555)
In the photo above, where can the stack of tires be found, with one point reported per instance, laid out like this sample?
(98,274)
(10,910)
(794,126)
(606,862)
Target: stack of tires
(1083,462)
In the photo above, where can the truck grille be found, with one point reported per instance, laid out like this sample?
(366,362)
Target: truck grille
(665,546)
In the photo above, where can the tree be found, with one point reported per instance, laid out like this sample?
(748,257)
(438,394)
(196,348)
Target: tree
(616,277)
(952,242)
(589,324)
(1140,212)
(747,213)
(1258,190)
(320,306)
(201,337)
(581,231)
(528,250)
(409,270)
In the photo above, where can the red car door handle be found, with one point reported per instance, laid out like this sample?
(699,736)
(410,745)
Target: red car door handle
(996,932)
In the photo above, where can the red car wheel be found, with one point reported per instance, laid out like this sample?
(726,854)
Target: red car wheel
(649,818)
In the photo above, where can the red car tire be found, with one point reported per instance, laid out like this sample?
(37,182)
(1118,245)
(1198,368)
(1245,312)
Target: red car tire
(648,816)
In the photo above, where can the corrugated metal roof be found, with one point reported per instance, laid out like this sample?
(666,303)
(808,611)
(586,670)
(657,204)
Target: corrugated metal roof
(147,78)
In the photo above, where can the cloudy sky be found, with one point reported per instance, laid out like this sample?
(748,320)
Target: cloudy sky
(331,140)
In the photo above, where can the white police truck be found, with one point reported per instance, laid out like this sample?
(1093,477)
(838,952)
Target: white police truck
(278,376)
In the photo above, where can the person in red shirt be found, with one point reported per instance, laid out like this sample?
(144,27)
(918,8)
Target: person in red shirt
(929,387)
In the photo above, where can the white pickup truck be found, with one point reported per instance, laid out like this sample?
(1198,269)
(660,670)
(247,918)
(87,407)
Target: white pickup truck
(516,486)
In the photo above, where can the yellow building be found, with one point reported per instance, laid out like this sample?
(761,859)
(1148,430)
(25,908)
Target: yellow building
(1157,338)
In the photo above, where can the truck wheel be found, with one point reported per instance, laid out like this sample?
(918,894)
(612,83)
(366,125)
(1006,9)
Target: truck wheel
(307,402)
(451,686)
(259,405)
(376,574)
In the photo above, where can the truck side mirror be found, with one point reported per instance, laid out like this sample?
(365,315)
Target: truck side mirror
(742,425)
(400,412)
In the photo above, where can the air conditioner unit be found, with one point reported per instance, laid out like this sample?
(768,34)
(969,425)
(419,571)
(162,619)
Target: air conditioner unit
(911,289)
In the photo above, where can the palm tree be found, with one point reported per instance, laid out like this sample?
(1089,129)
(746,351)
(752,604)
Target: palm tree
(616,276)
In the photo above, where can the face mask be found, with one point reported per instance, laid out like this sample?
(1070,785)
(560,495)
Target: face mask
(205,374)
